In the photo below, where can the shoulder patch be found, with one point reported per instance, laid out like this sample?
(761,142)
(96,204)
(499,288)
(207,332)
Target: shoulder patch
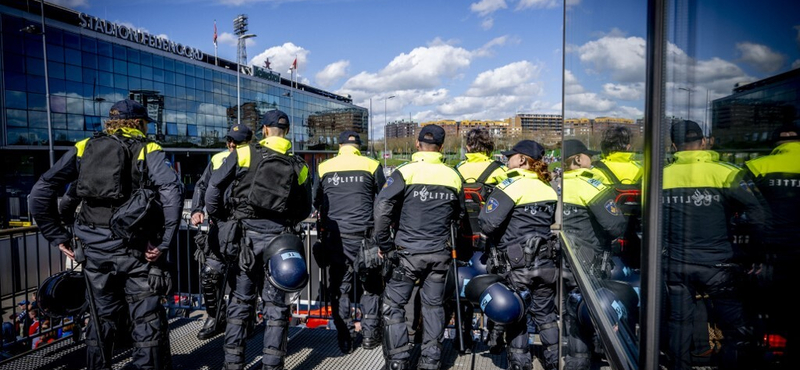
(612,208)
(595,182)
(506,182)
(389,181)
(491,205)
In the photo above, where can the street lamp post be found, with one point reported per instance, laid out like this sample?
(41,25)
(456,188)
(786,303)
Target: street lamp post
(688,102)
(238,88)
(31,29)
(385,123)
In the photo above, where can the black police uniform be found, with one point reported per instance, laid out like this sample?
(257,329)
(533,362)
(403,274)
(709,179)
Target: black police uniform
(520,208)
(116,269)
(211,274)
(424,197)
(345,192)
(260,229)
(777,178)
(591,220)
(699,196)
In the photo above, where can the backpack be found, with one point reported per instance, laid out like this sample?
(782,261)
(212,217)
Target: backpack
(107,167)
(627,196)
(274,187)
(475,195)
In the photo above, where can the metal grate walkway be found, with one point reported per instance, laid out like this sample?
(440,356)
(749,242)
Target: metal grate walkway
(308,349)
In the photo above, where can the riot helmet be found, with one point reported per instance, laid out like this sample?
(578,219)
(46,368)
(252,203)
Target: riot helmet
(286,263)
(465,274)
(63,294)
(500,303)
(478,262)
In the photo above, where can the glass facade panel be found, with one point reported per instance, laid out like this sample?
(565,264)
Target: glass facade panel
(729,199)
(604,75)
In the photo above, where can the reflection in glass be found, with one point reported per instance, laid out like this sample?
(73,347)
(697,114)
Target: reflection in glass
(729,207)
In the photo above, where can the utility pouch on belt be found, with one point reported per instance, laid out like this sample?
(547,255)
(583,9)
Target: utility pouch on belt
(230,235)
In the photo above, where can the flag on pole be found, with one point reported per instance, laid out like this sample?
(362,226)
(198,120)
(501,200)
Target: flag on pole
(215,32)
(294,64)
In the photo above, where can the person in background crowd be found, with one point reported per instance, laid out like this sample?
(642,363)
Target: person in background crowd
(522,208)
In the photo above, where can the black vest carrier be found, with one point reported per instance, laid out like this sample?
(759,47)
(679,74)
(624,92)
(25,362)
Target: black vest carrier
(270,188)
(108,167)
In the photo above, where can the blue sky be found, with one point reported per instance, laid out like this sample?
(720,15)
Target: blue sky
(441,59)
(712,46)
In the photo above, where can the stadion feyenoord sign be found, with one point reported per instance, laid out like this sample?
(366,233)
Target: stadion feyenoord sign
(137,36)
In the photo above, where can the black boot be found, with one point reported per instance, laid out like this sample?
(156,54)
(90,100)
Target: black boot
(212,285)
(345,342)
(427,364)
(396,365)
(371,342)
(495,341)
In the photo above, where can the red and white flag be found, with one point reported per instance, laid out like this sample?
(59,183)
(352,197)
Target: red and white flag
(215,33)
(294,64)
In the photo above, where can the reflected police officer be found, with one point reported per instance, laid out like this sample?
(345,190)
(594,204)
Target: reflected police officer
(700,194)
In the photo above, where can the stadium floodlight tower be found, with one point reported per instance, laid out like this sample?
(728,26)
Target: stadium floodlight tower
(240,29)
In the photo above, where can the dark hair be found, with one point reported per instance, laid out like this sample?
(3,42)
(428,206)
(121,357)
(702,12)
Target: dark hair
(615,139)
(479,140)
(429,146)
(539,167)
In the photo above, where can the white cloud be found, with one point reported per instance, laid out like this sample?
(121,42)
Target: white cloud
(331,73)
(761,57)
(487,23)
(633,91)
(281,58)
(571,85)
(796,64)
(578,101)
(70,3)
(624,58)
(537,4)
(422,68)
(486,7)
(488,49)
(512,79)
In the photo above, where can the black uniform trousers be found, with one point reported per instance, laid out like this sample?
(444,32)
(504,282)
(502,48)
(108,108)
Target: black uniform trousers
(541,281)
(430,269)
(241,310)
(684,281)
(118,280)
(345,249)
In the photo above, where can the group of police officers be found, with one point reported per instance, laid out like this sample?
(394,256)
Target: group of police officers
(407,230)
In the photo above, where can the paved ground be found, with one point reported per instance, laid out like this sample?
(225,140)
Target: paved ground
(308,349)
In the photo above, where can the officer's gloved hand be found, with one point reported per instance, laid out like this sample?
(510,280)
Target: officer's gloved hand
(247,259)
(199,256)
(389,260)
(371,258)
(159,280)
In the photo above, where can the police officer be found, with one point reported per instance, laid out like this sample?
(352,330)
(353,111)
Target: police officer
(700,193)
(517,219)
(619,163)
(591,220)
(777,178)
(236,185)
(345,192)
(209,254)
(482,173)
(116,268)
(424,197)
